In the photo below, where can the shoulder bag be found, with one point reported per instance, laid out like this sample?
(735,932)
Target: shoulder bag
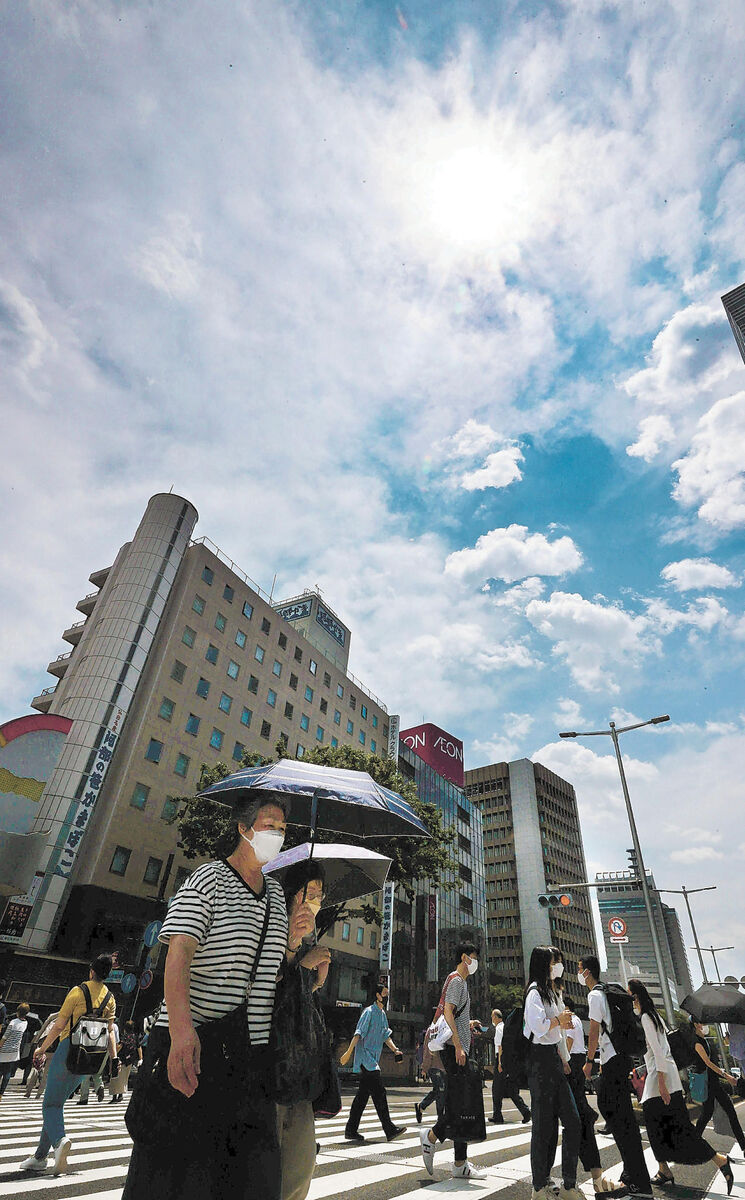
(299,1051)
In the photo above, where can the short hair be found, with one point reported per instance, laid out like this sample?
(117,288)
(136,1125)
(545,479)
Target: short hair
(591,963)
(23,1010)
(377,989)
(469,948)
(300,875)
(495,1012)
(245,812)
(101,966)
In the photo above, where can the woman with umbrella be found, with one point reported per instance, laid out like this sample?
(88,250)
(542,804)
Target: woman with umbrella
(671,1134)
(714,1089)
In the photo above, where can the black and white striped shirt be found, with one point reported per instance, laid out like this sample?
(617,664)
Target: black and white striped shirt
(217,908)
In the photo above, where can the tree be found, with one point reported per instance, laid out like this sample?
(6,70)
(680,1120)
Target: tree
(506,996)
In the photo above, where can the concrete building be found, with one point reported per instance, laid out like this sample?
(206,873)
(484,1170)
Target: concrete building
(179,660)
(532,845)
(734,306)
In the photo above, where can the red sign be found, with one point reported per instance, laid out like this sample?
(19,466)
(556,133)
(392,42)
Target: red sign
(441,750)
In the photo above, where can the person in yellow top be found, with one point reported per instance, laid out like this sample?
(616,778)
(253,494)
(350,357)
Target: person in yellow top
(61,1083)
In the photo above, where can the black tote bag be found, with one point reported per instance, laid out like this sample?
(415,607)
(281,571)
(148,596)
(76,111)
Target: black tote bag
(464,1104)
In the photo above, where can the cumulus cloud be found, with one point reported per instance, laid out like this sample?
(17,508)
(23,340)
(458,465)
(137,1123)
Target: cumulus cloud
(513,553)
(507,744)
(690,574)
(471,440)
(518,597)
(696,854)
(499,471)
(568,714)
(654,433)
(703,614)
(711,475)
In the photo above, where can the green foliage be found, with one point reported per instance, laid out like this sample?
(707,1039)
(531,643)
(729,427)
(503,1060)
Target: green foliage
(505,996)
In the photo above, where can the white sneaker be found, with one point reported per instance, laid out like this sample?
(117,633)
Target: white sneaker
(61,1151)
(428,1151)
(34,1164)
(468,1171)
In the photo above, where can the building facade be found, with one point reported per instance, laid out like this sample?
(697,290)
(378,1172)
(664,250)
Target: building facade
(532,846)
(734,306)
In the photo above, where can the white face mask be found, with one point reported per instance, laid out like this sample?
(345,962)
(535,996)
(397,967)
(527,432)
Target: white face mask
(265,843)
(313,905)
(473,966)
(557,970)
(580,977)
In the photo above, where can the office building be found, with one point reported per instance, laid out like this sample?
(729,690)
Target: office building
(532,847)
(179,660)
(734,306)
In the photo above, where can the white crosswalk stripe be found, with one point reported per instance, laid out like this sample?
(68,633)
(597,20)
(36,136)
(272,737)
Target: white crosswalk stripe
(101,1149)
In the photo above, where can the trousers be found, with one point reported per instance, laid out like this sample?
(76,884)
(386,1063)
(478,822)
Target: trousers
(717,1092)
(297,1143)
(370,1087)
(61,1084)
(439,1129)
(506,1085)
(614,1102)
(551,1101)
(438,1079)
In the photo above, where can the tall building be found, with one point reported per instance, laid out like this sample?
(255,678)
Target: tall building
(620,895)
(734,306)
(180,659)
(532,845)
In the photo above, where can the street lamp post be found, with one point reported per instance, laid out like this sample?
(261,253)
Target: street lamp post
(613,733)
(685,893)
(713,951)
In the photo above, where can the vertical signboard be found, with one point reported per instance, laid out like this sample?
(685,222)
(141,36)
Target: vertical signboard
(394,725)
(18,910)
(433,923)
(101,759)
(386,936)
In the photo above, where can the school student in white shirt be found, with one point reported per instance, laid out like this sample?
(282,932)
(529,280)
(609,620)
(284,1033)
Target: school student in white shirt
(672,1136)
(589,1155)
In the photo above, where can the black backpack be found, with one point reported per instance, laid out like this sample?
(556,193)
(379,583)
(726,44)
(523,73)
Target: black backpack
(682,1044)
(515,1044)
(626,1032)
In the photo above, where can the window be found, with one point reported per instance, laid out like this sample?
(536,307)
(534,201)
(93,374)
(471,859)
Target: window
(324,706)
(178,671)
(300,750)
(375,721)
(238,751)
(192,724)
(169,809)
(226,703)
(319,733)
(466,904)
(240,639)
(220,622)
(346,929)
(337,717)
(152,870)
(463,814)
(289,710)
(139,796)
(188,637)
(198,604)
(266,729)
(271,698)
(203,688)
(277,668)
(253,684)
(350,727)
(216,738)
(362,737)
(373,939)
(120,860)
(182,765)
(208,575)
(282,639)
(266,625)
(465,873)
(248,610)
(154,750)
(352,702)
(308,693)
(334,742)
(234,669)
(373,746)
(385,733)
(283,740)
(326,679)
(298,654)
(212,654)
(340,691)
(464,843)
(360,935)
(228,593)
(246,717)
(363,712)
(293,682)
(182,874)
(313,666)
(304,721)
(166,708)
(259,653)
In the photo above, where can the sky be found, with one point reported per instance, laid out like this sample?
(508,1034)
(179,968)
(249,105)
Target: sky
(418,304)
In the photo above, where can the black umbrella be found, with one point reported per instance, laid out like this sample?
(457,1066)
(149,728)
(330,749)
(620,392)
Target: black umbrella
(715,1002)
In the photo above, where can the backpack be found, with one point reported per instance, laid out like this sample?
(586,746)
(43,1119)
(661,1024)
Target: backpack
(515,1044)
(683,1047)
(626,1032)
(89,1037)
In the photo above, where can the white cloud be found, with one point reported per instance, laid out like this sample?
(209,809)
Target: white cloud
(711,475)
(513,553)
(692,573)
(517,598)
(471,440)
(654,433)
(592,638)
(703,614)
(505,745)
(170,261)
(696,854)
(499,471)
(568,714)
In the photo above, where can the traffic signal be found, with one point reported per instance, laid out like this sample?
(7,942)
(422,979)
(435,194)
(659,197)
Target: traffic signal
(555,900)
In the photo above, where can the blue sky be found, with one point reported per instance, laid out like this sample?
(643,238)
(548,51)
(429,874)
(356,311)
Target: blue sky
(420,304)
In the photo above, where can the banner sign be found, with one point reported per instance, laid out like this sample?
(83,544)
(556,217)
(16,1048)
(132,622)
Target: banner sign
(87,802)
(17,912)
(441,750)
(330,624)
(394,725)
(386,935)
(433,915)
(295,612)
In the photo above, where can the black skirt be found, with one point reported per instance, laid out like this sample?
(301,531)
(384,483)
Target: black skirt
(671,1135)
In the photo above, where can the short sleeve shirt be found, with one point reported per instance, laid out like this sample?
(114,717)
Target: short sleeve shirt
(373,1031)
(74,1006)
(577,1035)
(498,1035)
(600,1012)
(458,995)
(13,1038)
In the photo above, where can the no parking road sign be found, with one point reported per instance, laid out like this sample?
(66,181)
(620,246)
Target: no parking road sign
(617,927)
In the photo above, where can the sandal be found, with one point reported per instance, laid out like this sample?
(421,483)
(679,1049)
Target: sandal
(727,1172)
(661,1180)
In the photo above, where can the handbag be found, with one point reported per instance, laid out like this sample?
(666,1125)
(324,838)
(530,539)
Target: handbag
(298,1044)
(699,1085)
(638,1080)
(328,1102)
(464,1104)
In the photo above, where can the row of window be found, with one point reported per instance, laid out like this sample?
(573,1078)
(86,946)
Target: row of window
(346,934)
(120,862)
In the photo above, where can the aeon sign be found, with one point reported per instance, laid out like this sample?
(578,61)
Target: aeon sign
(438,748)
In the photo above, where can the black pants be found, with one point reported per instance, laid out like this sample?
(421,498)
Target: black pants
(589,1155)
(506,1085)
(438,1079)
(370,1086)
(717,1092)
(614,1102)
(440,1129)
(551,1101)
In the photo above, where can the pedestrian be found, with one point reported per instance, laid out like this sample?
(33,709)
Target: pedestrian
(434,1071)
(96,1081)
(303,884)
(38,1078)
(709,1057)
(613,1092)
(370,1036)
(129,1054)
(589,1155)
(457,1013)
(502,1083)
(91,996)
(3,1012)
(737,1045)
(227,936)
(671,1134)
(11,1045)
(30,1037)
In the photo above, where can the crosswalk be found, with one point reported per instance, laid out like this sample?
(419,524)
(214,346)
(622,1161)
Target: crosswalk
(378,1169)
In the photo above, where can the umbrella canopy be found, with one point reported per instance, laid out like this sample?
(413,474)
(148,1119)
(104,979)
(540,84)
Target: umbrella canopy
(348,801)
(350,871)
(715,1002)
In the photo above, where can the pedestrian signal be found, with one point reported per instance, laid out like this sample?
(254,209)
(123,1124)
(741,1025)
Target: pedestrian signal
(555,900)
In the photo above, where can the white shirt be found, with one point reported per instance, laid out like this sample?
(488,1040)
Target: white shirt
(600,1011)
(537,1019)
(498,1035)
(659,1061)
(577,1034)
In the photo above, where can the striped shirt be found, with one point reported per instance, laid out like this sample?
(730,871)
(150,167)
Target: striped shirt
(458,995)
(217,908)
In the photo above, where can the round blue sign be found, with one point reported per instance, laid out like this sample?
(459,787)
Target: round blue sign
(129,983)
(150,936)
